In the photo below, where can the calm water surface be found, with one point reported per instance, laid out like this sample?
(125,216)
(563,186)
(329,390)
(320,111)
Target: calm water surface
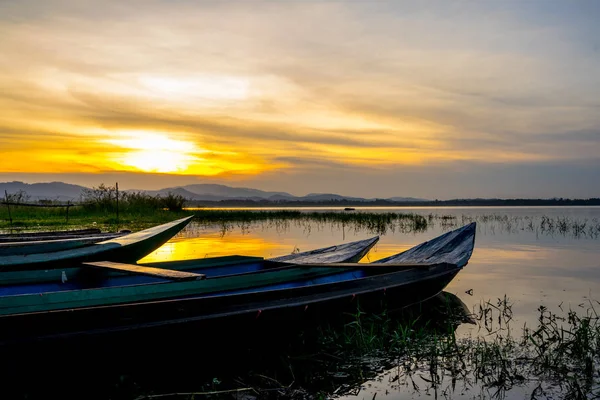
(514,254)
(535,256)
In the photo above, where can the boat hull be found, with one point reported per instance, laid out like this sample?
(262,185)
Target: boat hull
(203,312)
(301,290)
(128,248)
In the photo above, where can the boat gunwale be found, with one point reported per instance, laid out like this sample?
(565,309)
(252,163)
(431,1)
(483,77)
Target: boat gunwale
(367,244)
(283,266)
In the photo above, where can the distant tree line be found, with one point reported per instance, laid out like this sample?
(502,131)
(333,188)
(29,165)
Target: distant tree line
(105,198)
(389,203)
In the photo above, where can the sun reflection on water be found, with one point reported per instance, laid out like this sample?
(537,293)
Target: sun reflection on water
(216,245)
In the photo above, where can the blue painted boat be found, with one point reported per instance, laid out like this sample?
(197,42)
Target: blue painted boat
(266,289)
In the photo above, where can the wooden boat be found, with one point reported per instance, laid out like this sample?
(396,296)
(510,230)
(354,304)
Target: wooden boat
(22,247)
(70,232)
(58,235)
(128,248)
(241,292)
(136,282)
(348,252)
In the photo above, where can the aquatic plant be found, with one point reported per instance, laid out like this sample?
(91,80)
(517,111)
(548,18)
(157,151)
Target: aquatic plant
(375,223)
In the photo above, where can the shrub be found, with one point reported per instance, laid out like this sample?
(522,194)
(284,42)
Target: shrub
(173,202)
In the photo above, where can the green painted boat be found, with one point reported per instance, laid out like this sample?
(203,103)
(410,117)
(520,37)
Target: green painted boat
(91,285)
(128,248)
(347,252)
(146,297)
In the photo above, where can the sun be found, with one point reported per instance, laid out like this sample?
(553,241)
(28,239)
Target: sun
(154,152)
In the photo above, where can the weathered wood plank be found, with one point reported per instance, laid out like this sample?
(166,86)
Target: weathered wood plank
(139,269)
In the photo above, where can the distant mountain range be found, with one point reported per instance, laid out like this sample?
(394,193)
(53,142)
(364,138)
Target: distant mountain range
(209,194)
(198,192)
(43,191)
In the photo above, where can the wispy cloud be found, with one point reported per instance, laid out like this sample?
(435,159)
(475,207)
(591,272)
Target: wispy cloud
(276,90)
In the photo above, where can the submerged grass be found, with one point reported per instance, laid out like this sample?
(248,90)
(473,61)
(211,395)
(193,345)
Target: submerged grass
(376,223)
(419,353)
(381,223)
(558,357)
(390,222)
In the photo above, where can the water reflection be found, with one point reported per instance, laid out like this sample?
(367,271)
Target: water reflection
(535,257)
(213,244)
(334,354)
(531,266)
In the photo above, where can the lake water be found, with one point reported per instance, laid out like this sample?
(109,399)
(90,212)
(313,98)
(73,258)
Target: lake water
(528,257)
(534,256)
(515,254)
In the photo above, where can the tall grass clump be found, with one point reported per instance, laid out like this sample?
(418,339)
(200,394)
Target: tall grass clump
(377,223)
(104,198)
(101,207)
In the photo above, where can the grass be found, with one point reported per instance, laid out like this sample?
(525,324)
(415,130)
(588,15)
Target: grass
(36,218)
(377,223)
(32,218)
(560,356)
(419,353)
(390,222)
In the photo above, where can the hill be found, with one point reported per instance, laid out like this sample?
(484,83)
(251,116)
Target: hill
(196,193)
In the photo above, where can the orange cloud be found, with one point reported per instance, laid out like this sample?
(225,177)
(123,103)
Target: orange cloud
(234,96)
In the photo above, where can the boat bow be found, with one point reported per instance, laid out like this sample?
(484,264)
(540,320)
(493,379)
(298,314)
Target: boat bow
(454,247)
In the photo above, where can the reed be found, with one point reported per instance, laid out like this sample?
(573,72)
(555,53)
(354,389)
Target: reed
(377,223)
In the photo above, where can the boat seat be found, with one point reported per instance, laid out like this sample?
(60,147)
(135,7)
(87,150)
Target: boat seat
(143,270)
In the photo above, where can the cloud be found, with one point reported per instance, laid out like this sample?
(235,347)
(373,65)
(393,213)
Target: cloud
(308,90)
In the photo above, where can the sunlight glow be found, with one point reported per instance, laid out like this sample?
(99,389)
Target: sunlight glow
(151,152)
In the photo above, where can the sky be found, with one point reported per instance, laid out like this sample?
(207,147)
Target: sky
(436,99)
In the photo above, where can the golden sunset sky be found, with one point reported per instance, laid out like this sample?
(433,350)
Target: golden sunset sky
(375,99)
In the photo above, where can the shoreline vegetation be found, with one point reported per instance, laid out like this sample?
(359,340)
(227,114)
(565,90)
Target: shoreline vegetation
(140,212)
(102,207)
